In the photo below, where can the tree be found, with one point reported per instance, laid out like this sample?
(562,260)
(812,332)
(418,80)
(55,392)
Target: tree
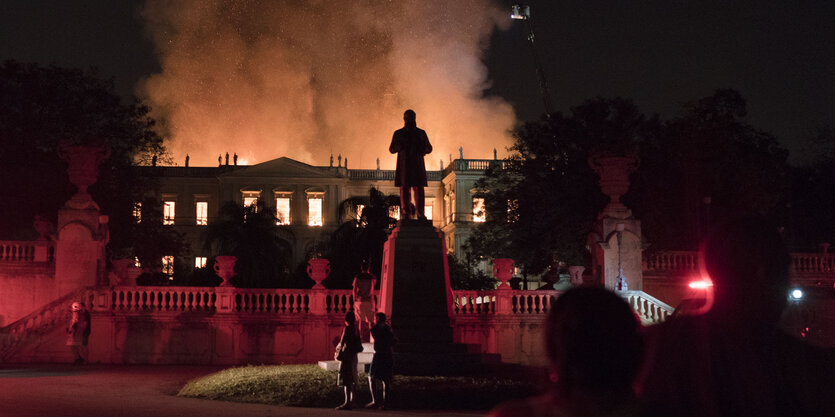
(543,199)
(42,106)
(707,165)
(250,233)
(360,238)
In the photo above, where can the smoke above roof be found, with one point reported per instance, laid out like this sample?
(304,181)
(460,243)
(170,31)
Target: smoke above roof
(305,79)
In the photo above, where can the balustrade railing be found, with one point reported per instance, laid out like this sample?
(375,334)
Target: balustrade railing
(474,302)
(532,302)
(174,299)
(27,251)
(813,262)
(672,261)
(650,309)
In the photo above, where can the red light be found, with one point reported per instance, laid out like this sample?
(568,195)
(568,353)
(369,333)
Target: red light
(701,284)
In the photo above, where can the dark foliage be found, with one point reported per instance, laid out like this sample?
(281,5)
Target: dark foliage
(251,234)
(360,238)
(42,106)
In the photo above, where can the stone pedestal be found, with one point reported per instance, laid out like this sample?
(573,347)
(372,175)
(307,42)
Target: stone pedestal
(82,230)
(415,292)
(416,295)
(617,242)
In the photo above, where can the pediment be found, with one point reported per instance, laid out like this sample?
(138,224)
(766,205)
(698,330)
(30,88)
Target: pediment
(283,167)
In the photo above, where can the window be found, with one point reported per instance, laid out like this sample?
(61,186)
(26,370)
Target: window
(250,197)
(360,208)
(427,208)
(282,210)
(137,211)
(168,213)
(168,266)
(199,261)
(479,214)
(314,208)
(394,212)
(136,262)
(202,213)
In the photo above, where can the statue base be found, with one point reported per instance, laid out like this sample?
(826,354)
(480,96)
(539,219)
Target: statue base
(416,296)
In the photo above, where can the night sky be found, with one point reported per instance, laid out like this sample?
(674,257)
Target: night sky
(659,53)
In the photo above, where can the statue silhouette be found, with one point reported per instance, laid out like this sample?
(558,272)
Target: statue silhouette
(410,144)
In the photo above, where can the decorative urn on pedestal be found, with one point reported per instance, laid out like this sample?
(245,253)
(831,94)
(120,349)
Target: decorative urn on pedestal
(503,271)
(318,269)
(225,268)
(614,171)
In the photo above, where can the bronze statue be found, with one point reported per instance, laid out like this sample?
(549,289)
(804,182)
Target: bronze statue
(410,144)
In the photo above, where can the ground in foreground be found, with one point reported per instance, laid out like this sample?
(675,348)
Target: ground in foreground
(311,386)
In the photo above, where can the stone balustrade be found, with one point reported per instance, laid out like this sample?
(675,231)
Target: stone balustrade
(27,251)
(672,261)
(813,262)
(648,308)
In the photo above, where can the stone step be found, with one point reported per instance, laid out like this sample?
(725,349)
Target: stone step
(363,358)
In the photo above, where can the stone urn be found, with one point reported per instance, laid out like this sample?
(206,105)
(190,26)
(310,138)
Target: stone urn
(576,275)
(44,228)
(225,269)
(82,169)
(614,171)
(120,270)
(503,271)
(318,269)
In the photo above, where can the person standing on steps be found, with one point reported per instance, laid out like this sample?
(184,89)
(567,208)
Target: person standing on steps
(410,144)
(78,332)
(363,291)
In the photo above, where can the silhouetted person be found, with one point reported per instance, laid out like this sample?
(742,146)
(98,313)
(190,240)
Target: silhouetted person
(363,291)
(594,350)
(410,144)
(235,159)
(227,158)
(730,358)
(187,158)
(346,353)
(78,332)
(219,160)
(382,364)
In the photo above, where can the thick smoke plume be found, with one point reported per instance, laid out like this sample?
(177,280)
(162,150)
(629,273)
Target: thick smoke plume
(305,79)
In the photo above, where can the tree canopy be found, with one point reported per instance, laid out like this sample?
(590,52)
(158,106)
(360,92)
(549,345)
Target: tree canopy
(41,106)
(702,166)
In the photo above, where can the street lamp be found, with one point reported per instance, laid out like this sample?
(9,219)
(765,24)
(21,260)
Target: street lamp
(519,12)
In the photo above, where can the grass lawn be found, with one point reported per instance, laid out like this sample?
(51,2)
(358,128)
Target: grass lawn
(311,386)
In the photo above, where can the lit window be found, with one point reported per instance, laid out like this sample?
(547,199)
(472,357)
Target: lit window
(360,208)
(202,213)
(314,208)
(136,262)
(168,213)
(168,266)
(199,261)
(427,209)
(137,211)
(250,198)
(394,212)
(479,214)
(282,210)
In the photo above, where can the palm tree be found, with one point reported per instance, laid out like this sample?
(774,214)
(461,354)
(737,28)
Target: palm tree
(251,234)
(361,237)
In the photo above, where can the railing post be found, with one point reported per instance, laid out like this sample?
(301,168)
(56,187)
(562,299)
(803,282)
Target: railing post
(225,299)
(504,302)
(318,304)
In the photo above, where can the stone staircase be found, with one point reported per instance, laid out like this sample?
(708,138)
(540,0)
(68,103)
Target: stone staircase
(41,336)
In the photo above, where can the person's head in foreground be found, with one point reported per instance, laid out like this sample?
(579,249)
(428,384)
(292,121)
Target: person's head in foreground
(594,350)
